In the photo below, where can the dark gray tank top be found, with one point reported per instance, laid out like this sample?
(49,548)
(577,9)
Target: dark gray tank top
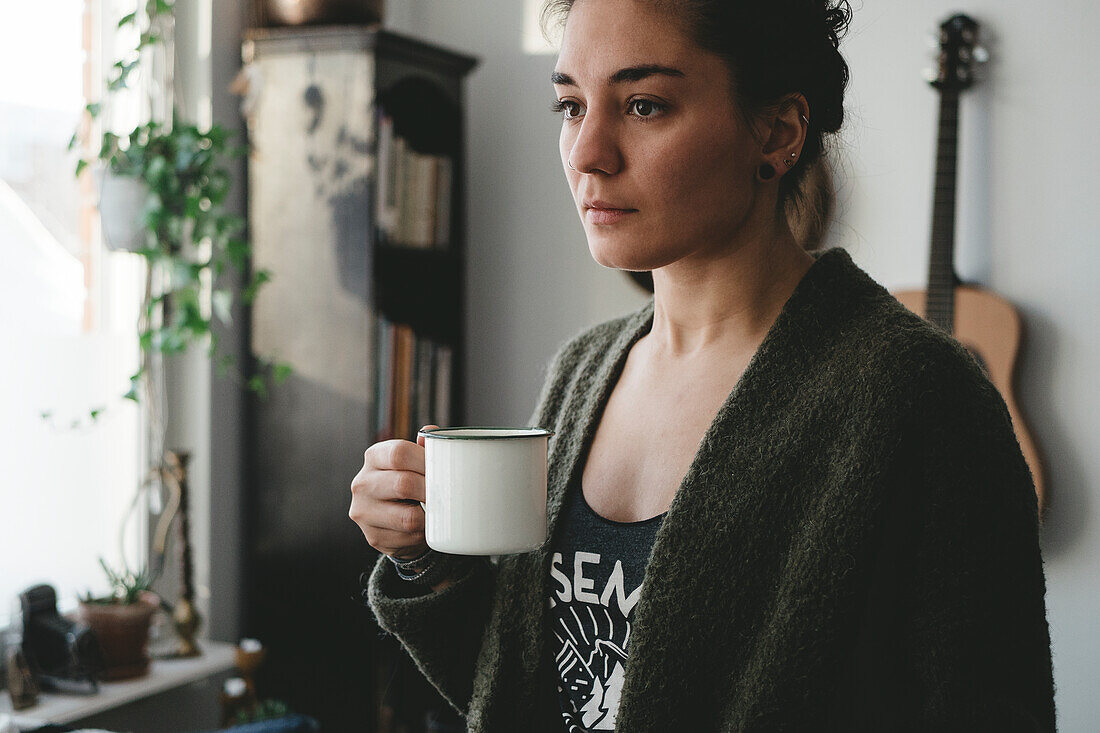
(595,580)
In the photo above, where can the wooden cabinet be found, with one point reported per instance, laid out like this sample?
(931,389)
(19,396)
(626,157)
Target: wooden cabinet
(319,221)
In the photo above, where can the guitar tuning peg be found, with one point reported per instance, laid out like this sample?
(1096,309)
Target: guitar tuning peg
(980,54)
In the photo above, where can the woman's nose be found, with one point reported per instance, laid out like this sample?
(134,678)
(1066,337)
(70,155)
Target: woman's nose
(595,148)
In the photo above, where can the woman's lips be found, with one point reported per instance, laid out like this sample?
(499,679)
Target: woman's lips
(607,216)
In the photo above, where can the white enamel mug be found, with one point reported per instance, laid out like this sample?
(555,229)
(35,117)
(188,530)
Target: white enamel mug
(485,490)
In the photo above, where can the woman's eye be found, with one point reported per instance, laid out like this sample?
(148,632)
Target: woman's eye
(646,108)
(643,109)
(566,108)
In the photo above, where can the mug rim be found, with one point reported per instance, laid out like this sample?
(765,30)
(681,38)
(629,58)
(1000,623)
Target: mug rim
(532,432)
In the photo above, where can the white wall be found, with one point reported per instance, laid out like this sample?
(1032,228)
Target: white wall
(1027,157)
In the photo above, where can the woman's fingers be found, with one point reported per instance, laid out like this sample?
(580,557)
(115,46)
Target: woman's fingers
(420,438)
(404,519)
(393,527)
(396,544)
(386,496)
(395,455)
(400,486)
(397,529)
(375,489)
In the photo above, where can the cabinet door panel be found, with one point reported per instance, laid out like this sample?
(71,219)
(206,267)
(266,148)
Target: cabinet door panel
(310,191)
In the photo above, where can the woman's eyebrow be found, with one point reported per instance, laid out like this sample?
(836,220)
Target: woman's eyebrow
(630,73)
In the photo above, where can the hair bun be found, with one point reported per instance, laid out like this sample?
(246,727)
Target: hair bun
(837,19)
(832,80)
(827,72)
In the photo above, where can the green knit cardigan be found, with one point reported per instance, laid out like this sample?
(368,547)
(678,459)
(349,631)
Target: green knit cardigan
(854,547)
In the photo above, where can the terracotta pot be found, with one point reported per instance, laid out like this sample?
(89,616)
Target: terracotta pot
(313,12)
(123,634)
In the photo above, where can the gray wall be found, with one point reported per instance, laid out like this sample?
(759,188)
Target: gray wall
(1026,162)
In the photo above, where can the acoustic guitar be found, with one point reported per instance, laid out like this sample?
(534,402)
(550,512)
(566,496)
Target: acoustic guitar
(986,324)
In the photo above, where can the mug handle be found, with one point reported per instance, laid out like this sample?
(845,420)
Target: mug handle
(420,435)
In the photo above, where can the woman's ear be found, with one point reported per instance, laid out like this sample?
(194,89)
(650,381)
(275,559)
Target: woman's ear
(787,132)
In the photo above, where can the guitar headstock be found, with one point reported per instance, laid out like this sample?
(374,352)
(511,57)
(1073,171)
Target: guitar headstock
(959,50)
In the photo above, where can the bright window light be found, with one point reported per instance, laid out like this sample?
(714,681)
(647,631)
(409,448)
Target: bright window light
(533,41)
(68,314)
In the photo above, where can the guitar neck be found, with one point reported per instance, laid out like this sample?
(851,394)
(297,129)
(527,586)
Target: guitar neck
(941,271)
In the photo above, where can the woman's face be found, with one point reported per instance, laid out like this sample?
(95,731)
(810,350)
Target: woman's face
(664,165)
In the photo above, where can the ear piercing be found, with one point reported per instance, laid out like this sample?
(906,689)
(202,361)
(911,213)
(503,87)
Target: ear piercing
(766,171)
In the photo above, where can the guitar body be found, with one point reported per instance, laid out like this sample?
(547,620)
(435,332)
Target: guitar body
(985,324)
(990,329)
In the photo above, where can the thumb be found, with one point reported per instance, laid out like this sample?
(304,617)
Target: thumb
(420,438)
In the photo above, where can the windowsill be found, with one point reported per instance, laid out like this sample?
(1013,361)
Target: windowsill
(164,674)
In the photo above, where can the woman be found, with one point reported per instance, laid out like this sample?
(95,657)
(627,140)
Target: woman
(778,500)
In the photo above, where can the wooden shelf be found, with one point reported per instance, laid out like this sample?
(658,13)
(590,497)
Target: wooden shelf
(421,287)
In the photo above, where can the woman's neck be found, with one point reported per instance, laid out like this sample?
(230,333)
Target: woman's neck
(729,301)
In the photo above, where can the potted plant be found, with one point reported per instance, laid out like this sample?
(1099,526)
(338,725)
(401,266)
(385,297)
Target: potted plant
(121,622)
(162,187)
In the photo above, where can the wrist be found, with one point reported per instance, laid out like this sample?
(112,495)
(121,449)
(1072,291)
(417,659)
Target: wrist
(409,563)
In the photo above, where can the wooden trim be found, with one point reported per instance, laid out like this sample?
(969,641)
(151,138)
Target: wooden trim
(266,41)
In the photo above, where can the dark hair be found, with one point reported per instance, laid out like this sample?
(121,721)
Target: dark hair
(773,48)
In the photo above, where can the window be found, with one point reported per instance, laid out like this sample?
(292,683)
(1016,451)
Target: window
(68,314)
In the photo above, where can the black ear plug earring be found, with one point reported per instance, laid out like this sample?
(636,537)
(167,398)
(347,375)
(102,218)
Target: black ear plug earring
(766,172)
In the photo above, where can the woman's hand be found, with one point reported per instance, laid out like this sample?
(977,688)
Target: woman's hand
(386,496)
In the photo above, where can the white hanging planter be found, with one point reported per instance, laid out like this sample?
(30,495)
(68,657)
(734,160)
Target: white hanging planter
(122,210)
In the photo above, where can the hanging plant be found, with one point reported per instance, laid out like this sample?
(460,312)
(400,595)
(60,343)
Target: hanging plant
(179,173)
(183,169)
